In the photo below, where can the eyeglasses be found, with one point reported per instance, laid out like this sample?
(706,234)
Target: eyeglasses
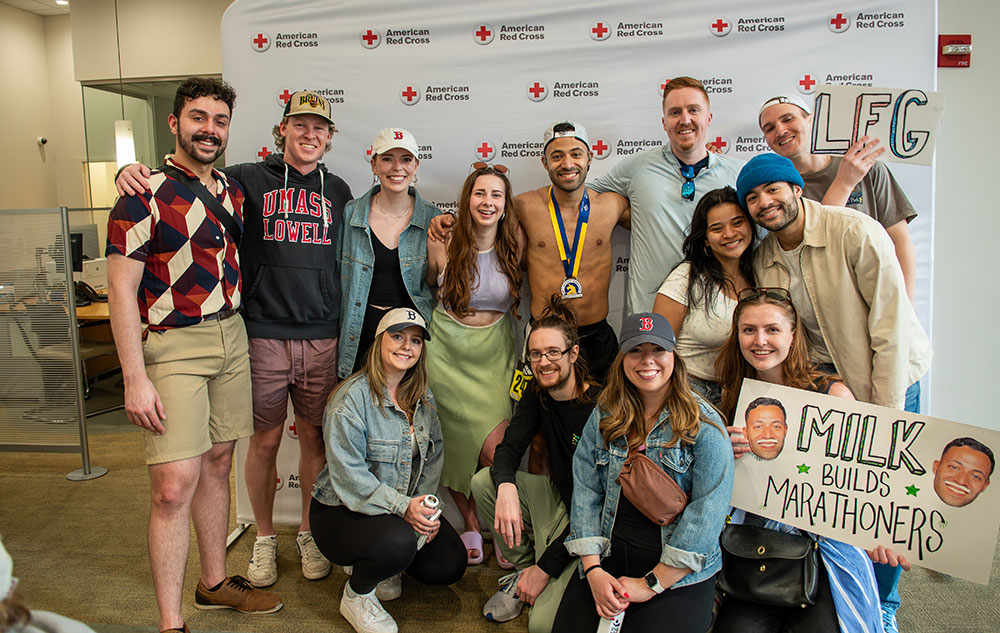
(687,189)
(777,294)
(552,355)
(481,166)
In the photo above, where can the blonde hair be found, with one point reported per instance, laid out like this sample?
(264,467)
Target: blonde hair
(625,416)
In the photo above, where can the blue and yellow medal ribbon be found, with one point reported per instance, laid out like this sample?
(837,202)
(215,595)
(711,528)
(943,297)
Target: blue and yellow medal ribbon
(570,257)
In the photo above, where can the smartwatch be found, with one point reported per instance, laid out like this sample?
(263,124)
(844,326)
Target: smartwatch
(654,583)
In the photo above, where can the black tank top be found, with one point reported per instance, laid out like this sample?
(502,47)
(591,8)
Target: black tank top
(387,287)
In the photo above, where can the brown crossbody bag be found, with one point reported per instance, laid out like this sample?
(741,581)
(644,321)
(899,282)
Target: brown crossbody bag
(651,490)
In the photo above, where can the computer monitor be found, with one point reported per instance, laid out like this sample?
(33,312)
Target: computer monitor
(76,251)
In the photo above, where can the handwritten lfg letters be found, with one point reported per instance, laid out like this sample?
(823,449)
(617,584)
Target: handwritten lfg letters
(905,121)
(870,475)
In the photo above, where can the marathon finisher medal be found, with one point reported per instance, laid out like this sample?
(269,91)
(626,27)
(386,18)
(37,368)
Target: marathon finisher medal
(570,287)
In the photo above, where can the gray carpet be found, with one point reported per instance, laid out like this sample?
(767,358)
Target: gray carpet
(79,549)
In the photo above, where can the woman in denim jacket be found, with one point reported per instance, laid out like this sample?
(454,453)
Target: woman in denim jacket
(383,457)
(659,573)
(383,248)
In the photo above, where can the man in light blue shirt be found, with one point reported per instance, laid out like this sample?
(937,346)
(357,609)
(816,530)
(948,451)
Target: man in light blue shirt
(663,186)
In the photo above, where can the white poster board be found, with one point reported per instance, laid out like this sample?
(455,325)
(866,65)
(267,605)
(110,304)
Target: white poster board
(906,121)
(869,475)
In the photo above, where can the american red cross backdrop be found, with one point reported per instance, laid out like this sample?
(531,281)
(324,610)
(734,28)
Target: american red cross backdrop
(459,74)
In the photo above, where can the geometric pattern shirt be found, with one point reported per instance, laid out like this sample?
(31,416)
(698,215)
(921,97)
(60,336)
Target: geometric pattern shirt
(192,267)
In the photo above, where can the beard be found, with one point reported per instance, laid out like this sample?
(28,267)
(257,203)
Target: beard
(199,153)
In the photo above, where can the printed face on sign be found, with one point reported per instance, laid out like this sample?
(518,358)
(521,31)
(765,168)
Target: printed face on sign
(766,427)
(567,160)
(962,473)
(686,117)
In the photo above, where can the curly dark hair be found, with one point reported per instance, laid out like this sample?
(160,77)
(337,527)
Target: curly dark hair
(195,87)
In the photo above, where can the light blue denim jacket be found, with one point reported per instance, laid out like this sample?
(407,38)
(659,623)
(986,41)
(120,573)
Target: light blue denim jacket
(704,470)
(369,455)
(357,261)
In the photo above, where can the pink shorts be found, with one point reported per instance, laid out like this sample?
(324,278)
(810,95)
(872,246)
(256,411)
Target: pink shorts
(306,369)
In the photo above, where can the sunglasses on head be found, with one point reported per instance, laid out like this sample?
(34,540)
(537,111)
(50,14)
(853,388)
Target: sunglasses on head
(777,294)
(481,166)
(687,189)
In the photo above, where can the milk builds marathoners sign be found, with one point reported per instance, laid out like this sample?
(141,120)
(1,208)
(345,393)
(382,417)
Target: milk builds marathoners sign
(481,80)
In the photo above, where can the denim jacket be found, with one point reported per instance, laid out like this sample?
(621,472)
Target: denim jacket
(369,454)
(357,263)
(704,470)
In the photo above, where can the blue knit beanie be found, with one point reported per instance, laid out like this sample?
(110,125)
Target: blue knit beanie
(763,169)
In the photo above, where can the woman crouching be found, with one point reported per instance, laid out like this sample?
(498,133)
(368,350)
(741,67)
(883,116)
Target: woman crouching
(383,457)
(629,559)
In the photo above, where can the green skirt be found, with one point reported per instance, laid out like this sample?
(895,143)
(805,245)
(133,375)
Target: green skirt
(470,369)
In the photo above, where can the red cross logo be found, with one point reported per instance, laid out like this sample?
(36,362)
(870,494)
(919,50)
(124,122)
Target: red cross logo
(409,95)
(720,144)
(807,85)
(483,35)
(599,31)
(720,28)
(292,431)
(485,151)
(600,149)
(264,153)
(663,86)
(839,22)
(277,483)
(537,91)
(370,38)
(260,43)
(368,153)
(283,97)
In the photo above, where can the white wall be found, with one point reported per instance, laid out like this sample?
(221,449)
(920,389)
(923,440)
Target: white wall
(966,304)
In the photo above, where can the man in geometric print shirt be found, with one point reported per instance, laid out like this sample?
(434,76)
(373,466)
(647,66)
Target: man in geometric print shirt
(173,267)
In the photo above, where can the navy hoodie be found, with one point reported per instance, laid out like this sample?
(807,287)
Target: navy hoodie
(288,257)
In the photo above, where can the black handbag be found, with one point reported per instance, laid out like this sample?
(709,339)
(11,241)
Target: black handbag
(768,566)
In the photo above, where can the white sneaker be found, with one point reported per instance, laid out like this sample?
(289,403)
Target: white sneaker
(263,568)
(390,588)
(504,605)
(314,564)
(365,613)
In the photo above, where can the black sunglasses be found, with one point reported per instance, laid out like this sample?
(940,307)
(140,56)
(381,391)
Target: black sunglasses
(777,294)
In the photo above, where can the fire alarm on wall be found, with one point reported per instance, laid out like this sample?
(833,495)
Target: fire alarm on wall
(954,51)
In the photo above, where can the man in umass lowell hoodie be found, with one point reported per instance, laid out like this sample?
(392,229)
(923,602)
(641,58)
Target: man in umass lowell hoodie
(291,300)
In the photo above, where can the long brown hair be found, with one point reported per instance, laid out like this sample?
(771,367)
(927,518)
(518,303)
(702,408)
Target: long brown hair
(625,417)
(798,370)
(411,390)
(559,315)
(462,267)
(13,611)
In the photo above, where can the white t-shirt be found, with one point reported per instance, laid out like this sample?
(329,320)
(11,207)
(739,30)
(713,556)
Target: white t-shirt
(804,306)
(704,330)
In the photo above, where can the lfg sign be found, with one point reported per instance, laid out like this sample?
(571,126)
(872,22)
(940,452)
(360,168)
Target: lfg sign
(906,121)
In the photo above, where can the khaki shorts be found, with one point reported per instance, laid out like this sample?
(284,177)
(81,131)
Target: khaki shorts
(305,368)
(202,373)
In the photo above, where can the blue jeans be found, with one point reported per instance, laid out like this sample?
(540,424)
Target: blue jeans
(912,403)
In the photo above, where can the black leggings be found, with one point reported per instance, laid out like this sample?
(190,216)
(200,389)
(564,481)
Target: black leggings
(383,545)
(740,616)
(686,609)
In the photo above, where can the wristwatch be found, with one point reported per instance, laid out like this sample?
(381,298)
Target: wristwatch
(654,583)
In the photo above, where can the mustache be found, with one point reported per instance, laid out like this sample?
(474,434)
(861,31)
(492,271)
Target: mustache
(206,137)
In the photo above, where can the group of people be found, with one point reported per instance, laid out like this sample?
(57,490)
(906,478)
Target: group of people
(390,326)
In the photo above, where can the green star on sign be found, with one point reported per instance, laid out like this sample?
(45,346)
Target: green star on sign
(912,490)
(803,469)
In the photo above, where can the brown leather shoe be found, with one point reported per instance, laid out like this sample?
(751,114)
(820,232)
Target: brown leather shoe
(237,593)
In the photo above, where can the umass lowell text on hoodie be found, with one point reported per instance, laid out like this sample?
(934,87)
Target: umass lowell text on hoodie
(288,257)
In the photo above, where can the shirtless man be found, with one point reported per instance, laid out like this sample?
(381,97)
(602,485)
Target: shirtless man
(584,279)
